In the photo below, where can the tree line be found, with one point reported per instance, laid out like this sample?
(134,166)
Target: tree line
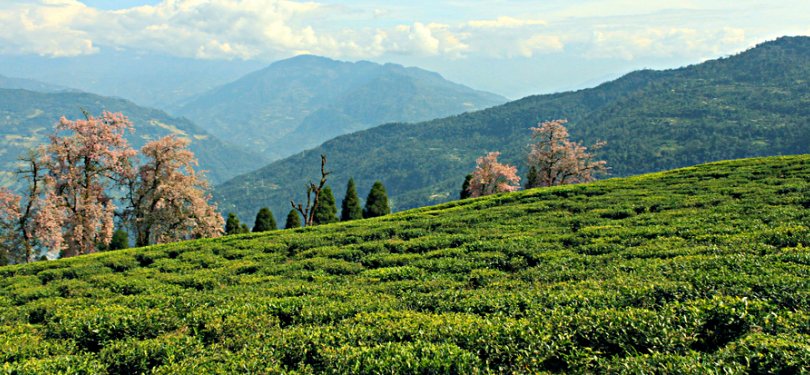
(553,159)
(88,190)
(86,182)
(321,208)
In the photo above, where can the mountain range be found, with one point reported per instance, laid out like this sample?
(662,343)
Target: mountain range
(752,104)
(28,117)
(298,103)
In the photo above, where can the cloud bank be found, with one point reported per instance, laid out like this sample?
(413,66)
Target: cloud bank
(271,29)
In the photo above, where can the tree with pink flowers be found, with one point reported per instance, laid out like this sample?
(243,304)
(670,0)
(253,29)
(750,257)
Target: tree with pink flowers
(85,160)
(559,161)
(168,198)
(490,177)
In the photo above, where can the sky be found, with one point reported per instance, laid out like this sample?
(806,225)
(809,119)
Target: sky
(514,48)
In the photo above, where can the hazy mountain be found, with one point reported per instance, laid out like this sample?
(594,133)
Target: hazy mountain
(27,118)
(29,84)
(752,104)
(148,79)
(298,103)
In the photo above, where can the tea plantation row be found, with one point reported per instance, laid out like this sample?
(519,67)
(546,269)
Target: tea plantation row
(698,270)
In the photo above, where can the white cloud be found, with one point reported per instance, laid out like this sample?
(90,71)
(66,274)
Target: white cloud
(540,43)
(45,29)
(505,22)
(664,42)
(270,29)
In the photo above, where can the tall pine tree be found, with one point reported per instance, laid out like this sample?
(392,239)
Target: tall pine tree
(326,211)
(293,220)
(264,220)
(377,202)
(232,224)
(350,207)
(532,179)
(465,187)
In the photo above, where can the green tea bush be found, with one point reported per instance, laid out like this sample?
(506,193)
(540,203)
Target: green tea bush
(93,327)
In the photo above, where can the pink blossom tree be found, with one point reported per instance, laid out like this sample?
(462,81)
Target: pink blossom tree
(84,164)
(559,161)
(168,198)
(490,177)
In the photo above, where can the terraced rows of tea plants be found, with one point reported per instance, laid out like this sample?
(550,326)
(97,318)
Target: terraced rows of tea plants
(698,270)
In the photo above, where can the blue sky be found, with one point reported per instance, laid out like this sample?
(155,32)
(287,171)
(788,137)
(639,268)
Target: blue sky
(514,48)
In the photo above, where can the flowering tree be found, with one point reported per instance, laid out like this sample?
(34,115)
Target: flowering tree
(490,177)
(559,161)
(168,199)
(83,165)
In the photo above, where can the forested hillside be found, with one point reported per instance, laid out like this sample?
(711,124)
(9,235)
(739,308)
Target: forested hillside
(299,103)
(697,270)
(751,104)
(27,118)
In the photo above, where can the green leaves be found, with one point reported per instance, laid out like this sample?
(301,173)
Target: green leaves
(691,271)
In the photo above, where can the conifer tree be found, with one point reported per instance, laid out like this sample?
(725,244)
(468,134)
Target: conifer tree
(377,202)
(120,240)
(465,187)
(350,208)
(326,210)
(232,224)
(293,220)
(532,178)
(264,221)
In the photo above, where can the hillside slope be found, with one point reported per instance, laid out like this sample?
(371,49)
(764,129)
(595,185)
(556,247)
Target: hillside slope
(27,118)
(299,103)
(29,84)
(698,270)
(756,103)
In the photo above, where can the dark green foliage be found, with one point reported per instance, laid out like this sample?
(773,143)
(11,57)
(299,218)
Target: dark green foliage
(698,270)
(750,104)
(233,226)
(350,207)
(465,187)
(377,201)
(264,221)
(293,220)
(326,211)
(532,179)
(120,240)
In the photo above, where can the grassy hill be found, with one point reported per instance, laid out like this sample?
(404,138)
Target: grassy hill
(756,103)
(298,103)
(27,118)
(698,270)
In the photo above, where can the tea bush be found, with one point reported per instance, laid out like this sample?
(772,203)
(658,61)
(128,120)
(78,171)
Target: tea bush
(698,270)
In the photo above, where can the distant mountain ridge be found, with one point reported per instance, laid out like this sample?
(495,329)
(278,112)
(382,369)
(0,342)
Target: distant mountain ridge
(28,117)
(30,84)
(298,103)
(756,103)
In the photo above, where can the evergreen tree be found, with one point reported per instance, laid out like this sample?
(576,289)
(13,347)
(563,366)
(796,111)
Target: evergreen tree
(244,228)
(465,187)
(293,220)
(350,208)
(377,202)
(264,221)
(326,211)
(532,179)
(120,240)
(232,224)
